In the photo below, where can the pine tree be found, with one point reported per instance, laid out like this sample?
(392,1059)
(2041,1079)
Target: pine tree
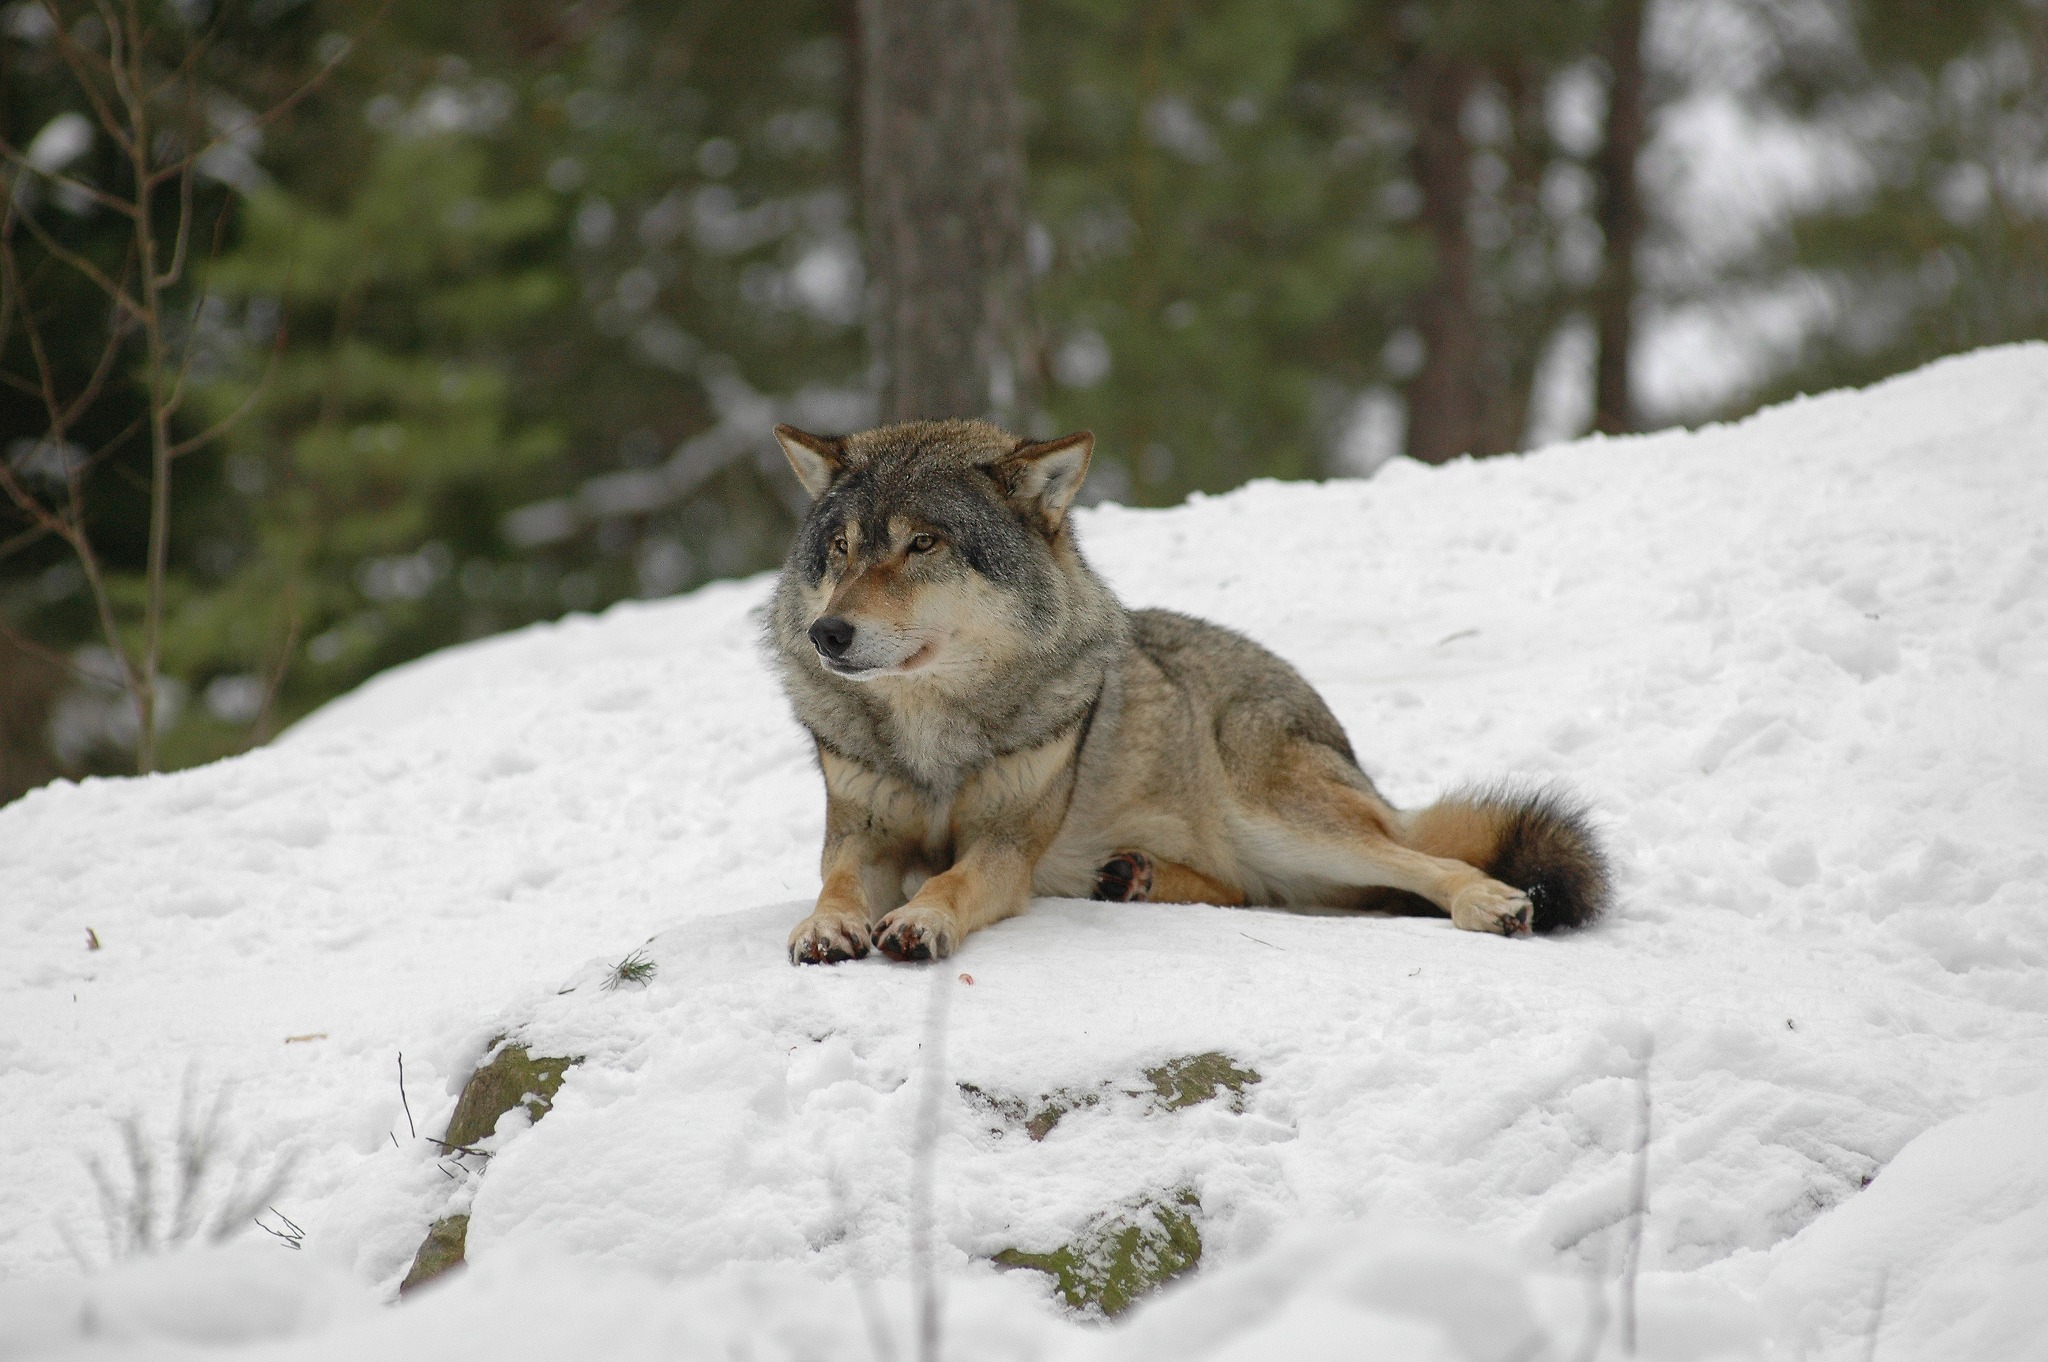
(380,451)
(1940,243)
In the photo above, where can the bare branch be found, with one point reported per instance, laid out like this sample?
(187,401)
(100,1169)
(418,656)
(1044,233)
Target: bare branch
(285,105)
(176,268)
(220,223)
(30,504)
(119,54)
(87,395)
(233,418)
(91,191)
(100,455)
(80,60)
(10,269)
(52,657)
(274,683)
(9,299)
(14,545)
(194,51)
(79,263)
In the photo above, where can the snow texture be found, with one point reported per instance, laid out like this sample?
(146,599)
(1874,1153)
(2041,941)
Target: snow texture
(1799,665)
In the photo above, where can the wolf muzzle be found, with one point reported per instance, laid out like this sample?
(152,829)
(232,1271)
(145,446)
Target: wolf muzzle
(832,636)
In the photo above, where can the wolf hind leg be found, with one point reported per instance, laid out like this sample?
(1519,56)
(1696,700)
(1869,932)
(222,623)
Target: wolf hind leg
(1137,877)
(1311,820)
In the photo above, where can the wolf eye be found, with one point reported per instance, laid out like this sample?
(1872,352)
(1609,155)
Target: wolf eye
(923,543)
(839,544)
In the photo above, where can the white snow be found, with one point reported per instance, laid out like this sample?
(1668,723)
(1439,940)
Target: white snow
(1799,664)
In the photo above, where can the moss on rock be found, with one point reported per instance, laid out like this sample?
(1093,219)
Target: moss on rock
(1191,1079)
(1123,1256)
(440,1252)
(511,1078)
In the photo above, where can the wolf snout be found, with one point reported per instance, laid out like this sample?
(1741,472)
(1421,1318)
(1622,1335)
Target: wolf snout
(832,636)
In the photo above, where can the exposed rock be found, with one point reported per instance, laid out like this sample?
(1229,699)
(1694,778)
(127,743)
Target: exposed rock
(1123,1256)
(440,1252)
(511,1078)
(1200,1078)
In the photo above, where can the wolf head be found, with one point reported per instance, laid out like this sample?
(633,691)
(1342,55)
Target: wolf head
(933,549)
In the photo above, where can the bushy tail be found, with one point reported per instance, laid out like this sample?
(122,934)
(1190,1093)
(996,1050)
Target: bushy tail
(1540,841)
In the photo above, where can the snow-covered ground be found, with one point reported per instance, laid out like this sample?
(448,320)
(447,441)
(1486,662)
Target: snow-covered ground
(1799,664)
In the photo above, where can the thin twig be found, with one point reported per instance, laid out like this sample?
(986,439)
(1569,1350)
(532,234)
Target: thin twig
(241,411)
(293,1236)
(177,397)
(274,682)
(176,268)
(924,1168)
(27,537)
(79,59)
(93,192)
(292,100)
(410,1128)
(881,1342)
(1884,1279)
(51,657)
(78,262)
(1639,1200)
(1597,1315)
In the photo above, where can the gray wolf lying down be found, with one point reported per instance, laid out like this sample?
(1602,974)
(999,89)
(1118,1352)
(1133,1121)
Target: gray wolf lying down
(992,723)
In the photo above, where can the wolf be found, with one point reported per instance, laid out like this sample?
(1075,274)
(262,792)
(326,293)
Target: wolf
(992,724)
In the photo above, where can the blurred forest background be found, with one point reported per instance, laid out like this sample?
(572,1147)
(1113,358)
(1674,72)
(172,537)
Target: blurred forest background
(335,331)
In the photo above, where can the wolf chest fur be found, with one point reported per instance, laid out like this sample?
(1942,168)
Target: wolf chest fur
(992,724)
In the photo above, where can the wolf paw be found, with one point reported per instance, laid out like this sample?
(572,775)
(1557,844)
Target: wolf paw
(1491,906)
(914,933)
(822,940)
(1127,878)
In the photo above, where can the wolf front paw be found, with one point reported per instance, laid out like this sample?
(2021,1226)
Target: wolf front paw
(822,939)
(1490,906)
(1127,878)
(915,932)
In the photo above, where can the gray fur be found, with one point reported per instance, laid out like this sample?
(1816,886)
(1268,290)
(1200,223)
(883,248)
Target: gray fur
(1070,633)
(1051,720)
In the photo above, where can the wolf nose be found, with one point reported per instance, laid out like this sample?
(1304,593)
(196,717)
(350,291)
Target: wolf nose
(832,636)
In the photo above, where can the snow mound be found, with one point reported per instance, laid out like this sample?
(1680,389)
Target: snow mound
(1799,664)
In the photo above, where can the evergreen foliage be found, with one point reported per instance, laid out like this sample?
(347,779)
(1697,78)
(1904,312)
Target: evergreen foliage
(499,315)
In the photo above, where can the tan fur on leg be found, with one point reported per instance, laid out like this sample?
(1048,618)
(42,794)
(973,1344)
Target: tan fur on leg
(1151,880)
(990,883)
(1320,825)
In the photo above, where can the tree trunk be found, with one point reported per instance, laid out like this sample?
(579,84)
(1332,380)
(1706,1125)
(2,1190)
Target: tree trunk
(1444,400)
(942,182)
(29,687)
(1621,219)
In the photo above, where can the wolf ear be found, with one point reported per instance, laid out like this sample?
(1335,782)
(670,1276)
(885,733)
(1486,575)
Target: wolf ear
(1044,476)
(817,459)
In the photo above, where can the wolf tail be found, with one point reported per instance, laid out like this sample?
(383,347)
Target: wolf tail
(1539,841)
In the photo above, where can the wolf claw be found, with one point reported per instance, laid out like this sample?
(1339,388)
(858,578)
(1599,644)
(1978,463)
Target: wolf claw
(1127,878)
(826,944)
(901,940)
(1491,906)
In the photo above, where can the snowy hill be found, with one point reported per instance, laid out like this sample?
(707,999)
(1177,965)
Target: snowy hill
(1800,665)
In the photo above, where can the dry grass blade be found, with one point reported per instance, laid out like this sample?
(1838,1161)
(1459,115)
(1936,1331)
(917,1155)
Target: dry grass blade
(1639,1206)
(924,1168)
(205,1204)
